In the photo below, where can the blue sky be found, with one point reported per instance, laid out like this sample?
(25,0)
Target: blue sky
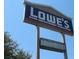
(25,34)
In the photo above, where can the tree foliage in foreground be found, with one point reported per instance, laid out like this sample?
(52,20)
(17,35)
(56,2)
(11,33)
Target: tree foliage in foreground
(11,50)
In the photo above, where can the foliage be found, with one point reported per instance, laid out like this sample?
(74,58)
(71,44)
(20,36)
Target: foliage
(11,50)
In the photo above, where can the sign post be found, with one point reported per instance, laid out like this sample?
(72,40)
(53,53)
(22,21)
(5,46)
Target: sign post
(65,52)
(38,47)
(47,17)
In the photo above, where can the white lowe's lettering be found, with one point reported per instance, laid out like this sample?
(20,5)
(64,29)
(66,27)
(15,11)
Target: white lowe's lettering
(46,17)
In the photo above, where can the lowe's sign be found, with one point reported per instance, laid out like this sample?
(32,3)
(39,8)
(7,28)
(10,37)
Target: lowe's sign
(48,20)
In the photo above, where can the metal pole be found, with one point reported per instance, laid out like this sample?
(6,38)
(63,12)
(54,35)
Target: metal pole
(38,42)
(65,52)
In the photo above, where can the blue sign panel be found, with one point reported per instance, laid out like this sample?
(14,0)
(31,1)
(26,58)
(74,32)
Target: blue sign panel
(48,20)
